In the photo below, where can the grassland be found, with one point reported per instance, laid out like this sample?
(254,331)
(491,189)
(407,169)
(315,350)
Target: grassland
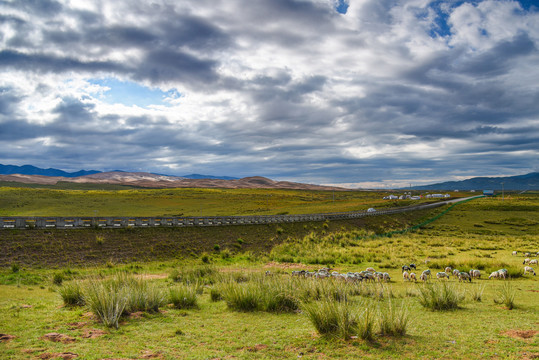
(480,234)
(186,202)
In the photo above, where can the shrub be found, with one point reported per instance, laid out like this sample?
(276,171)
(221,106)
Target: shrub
(440,296)
(506,295)
(243,297)
(72,294)
(365,325)
(15,268)
(476,292)
(215,294)
(99,240)
(105,302)
(392,320)
(183,297)
(143,296)
(216,247)
(57,279)
(331,318)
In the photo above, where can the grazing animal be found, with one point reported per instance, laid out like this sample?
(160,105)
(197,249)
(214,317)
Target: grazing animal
(441,275)
(533,262)
(268,273)
(405,268)
(369,276)
(502,273)
(515,252)
(386,277)
(529,269)
(456,272)
(405,276)
(463,276)
(526,261)
(448,269)
(527,254)
(426,272)
(412,266)
(413,277)
(423,277)
(494,275)
(369,269)
(475,274)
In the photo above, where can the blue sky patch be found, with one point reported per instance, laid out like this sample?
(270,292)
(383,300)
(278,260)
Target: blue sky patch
(129,93)
(342,6)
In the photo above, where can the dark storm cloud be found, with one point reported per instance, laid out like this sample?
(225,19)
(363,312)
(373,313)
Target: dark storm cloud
(51,63)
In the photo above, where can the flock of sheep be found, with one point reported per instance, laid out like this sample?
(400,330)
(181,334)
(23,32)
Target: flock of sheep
(370,274)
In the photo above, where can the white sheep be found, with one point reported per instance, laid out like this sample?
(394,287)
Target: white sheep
(456,272)
(448,269)
(426,272)
(441,275)
(526,261)
(475,274)
(405,276)
(502,273)
(515,252)
(386,277)
(494,275)
(533,262)
(463,276)
(527,254)
(423,277)
(370,269)
(413,277)
(528,269)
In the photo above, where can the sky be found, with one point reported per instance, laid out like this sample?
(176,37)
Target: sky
(354,93)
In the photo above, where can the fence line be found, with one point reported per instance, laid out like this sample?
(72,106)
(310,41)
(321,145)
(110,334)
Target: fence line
(31,222)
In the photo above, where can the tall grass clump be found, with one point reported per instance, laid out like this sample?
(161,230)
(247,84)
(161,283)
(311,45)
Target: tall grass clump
(72,293)
(183,296)
(506,295)
(259,294)
(366,322)
(393,320)
(143,295)
(327,289)
(205,274)
(440,296)
(243,296)
(476,293)
(105,301)
(332,319)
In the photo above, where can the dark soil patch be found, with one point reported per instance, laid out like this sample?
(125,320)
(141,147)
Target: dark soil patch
(6,337)
(64,355)
(520,334)
(93,333)
(57,337)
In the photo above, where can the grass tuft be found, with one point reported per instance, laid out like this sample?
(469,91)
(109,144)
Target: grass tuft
(506,295)
(183,297)
(72,294)
(440,296)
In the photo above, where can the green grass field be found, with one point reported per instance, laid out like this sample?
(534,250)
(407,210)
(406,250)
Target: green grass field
(186,202)
(480,234)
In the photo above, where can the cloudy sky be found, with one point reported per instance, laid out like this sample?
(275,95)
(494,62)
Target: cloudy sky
(371,93)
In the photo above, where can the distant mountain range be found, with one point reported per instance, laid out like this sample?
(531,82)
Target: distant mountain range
(520,182)
(144,179)
(32,170)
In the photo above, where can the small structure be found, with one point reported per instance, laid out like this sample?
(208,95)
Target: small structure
(488,192)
